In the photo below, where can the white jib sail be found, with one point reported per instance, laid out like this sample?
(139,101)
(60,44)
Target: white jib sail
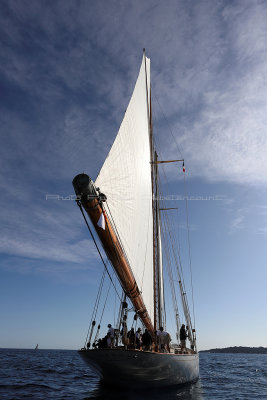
(125,178)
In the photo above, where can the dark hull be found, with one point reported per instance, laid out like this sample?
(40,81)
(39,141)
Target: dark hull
(135,368)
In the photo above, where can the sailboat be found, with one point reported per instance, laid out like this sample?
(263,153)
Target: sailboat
(123,206)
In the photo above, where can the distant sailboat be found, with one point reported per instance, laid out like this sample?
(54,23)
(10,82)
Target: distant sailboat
(123,205)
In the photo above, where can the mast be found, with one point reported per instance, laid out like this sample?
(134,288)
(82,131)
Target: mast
(155,213)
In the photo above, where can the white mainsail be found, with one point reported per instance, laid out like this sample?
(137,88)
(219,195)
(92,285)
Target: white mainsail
(125,178)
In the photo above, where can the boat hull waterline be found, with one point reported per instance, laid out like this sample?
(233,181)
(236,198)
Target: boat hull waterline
(125,368)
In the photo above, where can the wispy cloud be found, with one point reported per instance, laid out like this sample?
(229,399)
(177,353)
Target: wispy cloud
(237,222)
(67,73)
(220,123)
(240,219)
(35,228)
(262,231)
(208,67)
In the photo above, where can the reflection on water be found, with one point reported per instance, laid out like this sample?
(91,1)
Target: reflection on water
(185,392)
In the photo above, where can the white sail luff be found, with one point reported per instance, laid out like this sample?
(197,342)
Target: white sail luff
(125,178)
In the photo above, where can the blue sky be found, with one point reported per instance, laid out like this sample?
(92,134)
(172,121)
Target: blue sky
(67,71)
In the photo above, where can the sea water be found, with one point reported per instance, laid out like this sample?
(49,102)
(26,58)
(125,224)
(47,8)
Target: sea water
(62,374)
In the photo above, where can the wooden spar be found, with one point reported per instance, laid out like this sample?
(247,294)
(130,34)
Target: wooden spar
(165,162)
(93,206)
(170,208)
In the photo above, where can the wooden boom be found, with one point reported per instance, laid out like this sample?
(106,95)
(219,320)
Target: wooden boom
(92,203)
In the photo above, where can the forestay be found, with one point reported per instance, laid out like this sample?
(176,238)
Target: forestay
(125,178)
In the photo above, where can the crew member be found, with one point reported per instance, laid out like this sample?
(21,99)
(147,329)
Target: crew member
(183,337)
(163,339)
(146,341)
(138,338)
(110,336)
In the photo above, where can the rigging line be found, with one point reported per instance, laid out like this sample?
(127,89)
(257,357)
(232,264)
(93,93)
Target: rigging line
(189,250)
(162,271)
(117,233)
(123,251)
(184,294)
(80,206)
(154,93)
(182,290)
(105,303)
(118,237)
(177,243)
(97,333)
(96,305)
(170,274)
(164,302)
(115,305)
(116,253)
(163,166)
(145,255)
(172,230)
(119,318)
(171,280)
(168,187)
(173,241)
(180,277)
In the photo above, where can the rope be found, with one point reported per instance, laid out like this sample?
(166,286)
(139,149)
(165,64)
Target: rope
(116,252)
(189,250)
(167,122)
(180,273)
(80,206)
(141,289)
(89,336)
(114,246)
(98,328)
(119,319)
(171,282)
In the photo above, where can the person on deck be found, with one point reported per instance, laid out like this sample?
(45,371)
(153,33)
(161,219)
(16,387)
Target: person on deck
(131,337)
(124,338)
(138,338)
(110,336)
(183,337)
(167,341)
(163,339)
(146,341)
